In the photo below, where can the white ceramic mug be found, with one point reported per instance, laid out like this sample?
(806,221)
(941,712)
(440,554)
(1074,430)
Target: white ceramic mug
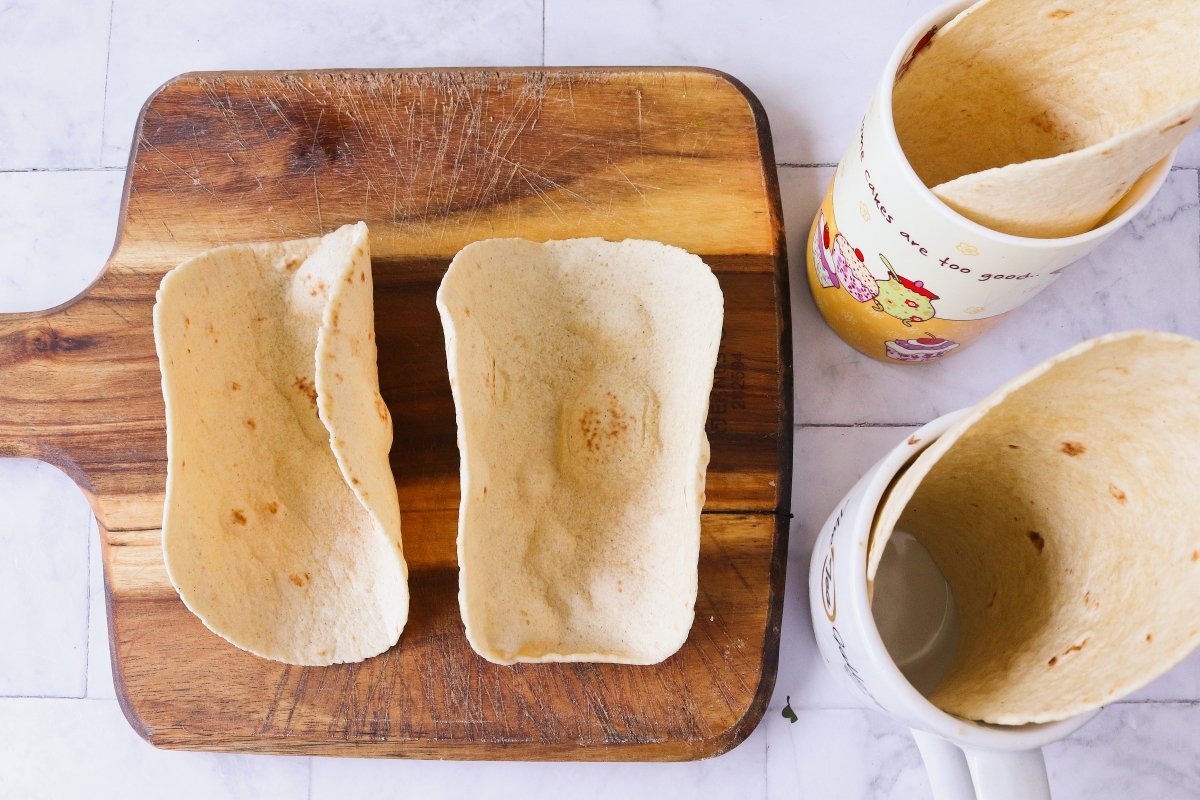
(965,760)
(904,278)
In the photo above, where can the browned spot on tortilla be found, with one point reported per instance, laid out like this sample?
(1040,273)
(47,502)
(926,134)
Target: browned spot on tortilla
(485,491)
(1014,447)
(306,388)
(595,423)
(187,323)
(235,386)
(333,318)
(354,345)
(381,409)
(1073,448)
(1061,13)
(251,424)
(1196,555)
(322,652)
(1183,121)
(620,587)
(913,440)
(273,507)
(1072,649)
(354,481)
(362,277)
(466,311)
(298,580)
(291,264)
(992,600)
(320,288)
(1149,637)
(339,377)
(589,426)
(1047,123)
(1117,494)
(238,516)
(1037,540)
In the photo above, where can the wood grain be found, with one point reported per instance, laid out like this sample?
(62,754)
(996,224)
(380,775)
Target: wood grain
(431,160)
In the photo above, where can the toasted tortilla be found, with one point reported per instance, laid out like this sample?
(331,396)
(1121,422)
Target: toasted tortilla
(1064,512)
(1035,117)
(281,529)
(581,371)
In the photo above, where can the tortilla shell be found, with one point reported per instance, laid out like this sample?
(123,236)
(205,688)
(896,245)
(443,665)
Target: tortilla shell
(1064,512)
(281,529)
(1034,117)
(581,371)
(1072,193)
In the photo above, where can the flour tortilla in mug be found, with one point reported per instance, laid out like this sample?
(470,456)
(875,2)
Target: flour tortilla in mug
(281,530)
(1035,117)
(1064,512)
(581,371)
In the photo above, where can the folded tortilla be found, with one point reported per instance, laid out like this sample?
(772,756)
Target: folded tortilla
(581,371)
(281,529)
(1064,512)
(1035,117)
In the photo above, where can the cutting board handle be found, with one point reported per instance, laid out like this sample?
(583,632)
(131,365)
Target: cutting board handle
(72,378)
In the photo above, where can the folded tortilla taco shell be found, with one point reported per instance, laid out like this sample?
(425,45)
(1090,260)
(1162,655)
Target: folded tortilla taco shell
(281,529)
(581,371)
(1064,511)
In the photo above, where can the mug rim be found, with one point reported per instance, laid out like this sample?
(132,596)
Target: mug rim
(914,708)
(939,16)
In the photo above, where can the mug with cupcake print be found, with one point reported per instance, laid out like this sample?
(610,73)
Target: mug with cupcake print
(902,277)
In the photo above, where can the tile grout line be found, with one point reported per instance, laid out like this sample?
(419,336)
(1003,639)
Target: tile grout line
(1181,702)
(310,771)
(766,759)
(87,609)
(543,33)
(28,170)
(112,4)
(802,425)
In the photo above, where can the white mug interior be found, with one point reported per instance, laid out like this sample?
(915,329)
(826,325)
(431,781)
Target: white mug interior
(1133,201)
(959,753)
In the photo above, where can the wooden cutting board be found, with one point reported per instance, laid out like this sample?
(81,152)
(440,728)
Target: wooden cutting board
(431,160)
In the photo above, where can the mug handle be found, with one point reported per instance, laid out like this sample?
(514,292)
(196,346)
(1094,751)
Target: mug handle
(1008,774)
(946,766)
(972,773)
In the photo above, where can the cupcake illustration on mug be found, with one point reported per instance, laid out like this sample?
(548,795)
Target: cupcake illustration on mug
(926,348)
(907,301)
(851,272)
(822,257)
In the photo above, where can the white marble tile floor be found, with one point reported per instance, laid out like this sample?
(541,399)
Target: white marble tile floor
(72,78)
